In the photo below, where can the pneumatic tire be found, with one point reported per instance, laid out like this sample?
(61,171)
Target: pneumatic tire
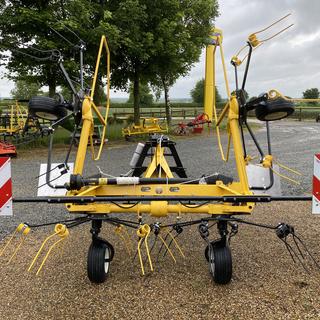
(98,262)
(220,262)
(46,108)
(274,109)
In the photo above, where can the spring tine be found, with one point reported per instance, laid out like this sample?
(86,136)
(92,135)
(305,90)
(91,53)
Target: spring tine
(16,250)
(289,251)
(140,257)
(152,247)
(124,237)
(173,239)
(162,245)
(148,251)
(60,231)
(166,250)
(135,255)
(273,23)
(170,252)
(307,250)
(296,255)
(39,251)
(8,242)
(297,245)
(128,239)
(47,255)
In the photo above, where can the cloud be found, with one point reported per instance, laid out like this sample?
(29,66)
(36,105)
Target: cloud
(289,62)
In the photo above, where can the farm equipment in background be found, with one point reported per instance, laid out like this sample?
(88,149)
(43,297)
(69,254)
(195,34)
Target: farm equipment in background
(7,149)
(146,126)
(13,119)
(157,188)
(194,126)
(17,125)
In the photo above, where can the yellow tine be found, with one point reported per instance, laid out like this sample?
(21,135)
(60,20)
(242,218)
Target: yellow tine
(16,250)
(176,244)
(287,168)
(170,252)
(272,24)
(39,251)
(6,245)
(285,177)
(140,258)
(148,252)
(125,237)
(47,255)
(128,238)
(125,242)
(276,34)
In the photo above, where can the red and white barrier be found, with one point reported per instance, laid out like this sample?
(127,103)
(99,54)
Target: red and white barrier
(316,185)
(5,187)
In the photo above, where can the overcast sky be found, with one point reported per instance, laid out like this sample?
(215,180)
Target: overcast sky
(289,63)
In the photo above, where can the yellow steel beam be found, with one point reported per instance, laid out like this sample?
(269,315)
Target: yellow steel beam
(162,208)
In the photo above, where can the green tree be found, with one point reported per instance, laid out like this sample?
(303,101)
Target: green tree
(197,93)
(27,24)
(25,90)
(145,96)
(179,43)
(312,93)
(159,40)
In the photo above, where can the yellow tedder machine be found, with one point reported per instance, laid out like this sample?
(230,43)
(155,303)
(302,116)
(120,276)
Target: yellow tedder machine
(157,188)
(146,126)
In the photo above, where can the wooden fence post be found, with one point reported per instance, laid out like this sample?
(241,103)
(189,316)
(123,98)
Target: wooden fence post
(300,114)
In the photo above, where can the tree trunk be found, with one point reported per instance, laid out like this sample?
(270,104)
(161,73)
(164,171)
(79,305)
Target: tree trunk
(136,98)
(167,102)
(52,86)
(52,90)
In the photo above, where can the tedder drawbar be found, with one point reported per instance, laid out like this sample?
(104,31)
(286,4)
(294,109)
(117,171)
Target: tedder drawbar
(156,187)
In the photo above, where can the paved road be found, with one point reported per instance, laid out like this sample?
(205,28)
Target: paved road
(294,144)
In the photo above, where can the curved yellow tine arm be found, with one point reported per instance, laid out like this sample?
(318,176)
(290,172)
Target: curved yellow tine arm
(59,230)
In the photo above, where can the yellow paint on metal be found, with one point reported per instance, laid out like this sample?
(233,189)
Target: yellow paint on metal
(24,230)
(158,208)
(158,166)
(168,249)
(62,232)
(256,43)
(212,209)
(122,232)
(275,94)
(146,126)
(176,244)
(143,233)
(15,119)
(87,125)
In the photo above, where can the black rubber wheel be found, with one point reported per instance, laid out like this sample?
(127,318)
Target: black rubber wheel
(98,262)
(220,262)
(318,118)
(46,108)
(274,109)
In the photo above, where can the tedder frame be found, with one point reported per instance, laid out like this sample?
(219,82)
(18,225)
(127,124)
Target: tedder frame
(157,188)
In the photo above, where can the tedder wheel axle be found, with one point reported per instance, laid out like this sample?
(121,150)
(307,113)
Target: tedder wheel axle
(100,255)
(218,253)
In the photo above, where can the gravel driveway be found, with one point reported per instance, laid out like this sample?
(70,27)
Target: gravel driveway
(266,283)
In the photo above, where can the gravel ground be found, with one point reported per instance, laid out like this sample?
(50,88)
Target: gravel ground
(266,283)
